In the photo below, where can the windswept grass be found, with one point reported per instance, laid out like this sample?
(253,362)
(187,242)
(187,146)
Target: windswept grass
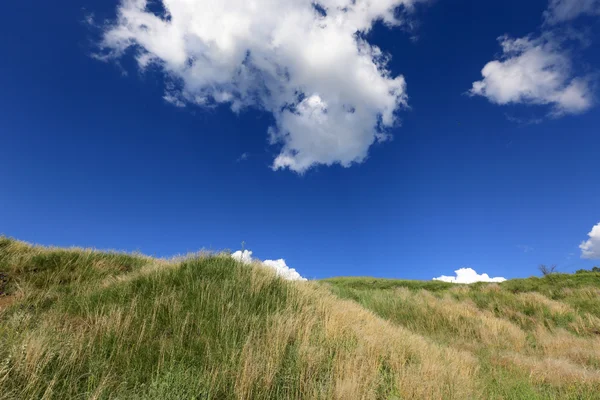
(532,338)
(84,324)
(87,324)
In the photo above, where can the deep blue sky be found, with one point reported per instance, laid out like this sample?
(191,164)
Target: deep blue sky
(92,157)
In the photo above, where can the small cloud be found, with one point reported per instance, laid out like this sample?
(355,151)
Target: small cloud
(280,267)
(283,270)
(535,71)
(525,248)
(590,249)
(244,256)
(243,157)
(468,275)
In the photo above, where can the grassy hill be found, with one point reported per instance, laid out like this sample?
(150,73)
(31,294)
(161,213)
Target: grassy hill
(85,324)
(532,338)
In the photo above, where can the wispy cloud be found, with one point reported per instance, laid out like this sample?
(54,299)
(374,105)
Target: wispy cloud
(566,10)
(243,157)
(329,90)
(169,98)
(524,121)
(468,275)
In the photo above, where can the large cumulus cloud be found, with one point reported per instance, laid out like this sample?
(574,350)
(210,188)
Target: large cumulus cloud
(328,89)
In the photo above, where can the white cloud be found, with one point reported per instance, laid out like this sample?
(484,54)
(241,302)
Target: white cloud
(244,256)
(565,10)
(534,71)
(468,275)
(590,249)
(329,90)
(283,270)
(279,266)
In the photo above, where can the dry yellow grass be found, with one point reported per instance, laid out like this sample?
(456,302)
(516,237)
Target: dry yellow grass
(524,345)
(207,327)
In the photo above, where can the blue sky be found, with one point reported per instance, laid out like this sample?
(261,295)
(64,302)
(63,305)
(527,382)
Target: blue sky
(114,134)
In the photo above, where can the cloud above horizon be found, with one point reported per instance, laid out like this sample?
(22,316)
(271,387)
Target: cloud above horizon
(467,276)
(538,69)
(279,266)
(590,249)
(534,71)
(307,63)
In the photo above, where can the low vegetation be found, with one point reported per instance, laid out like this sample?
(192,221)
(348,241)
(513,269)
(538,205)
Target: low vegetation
(103,325)
(532,338)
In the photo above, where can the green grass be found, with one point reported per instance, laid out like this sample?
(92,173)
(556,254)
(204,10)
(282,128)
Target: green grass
(162,334)
(80,324)
(549,323)
(88,324)
(368,284)
(552,284)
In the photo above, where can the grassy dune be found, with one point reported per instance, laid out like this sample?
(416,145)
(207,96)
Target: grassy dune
(85,324)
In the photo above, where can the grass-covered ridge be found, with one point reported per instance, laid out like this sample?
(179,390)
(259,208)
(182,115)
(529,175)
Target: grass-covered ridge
(532,338)
(87,324)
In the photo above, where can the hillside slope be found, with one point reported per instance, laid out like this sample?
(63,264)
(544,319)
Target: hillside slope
(532,338)
(85,324)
